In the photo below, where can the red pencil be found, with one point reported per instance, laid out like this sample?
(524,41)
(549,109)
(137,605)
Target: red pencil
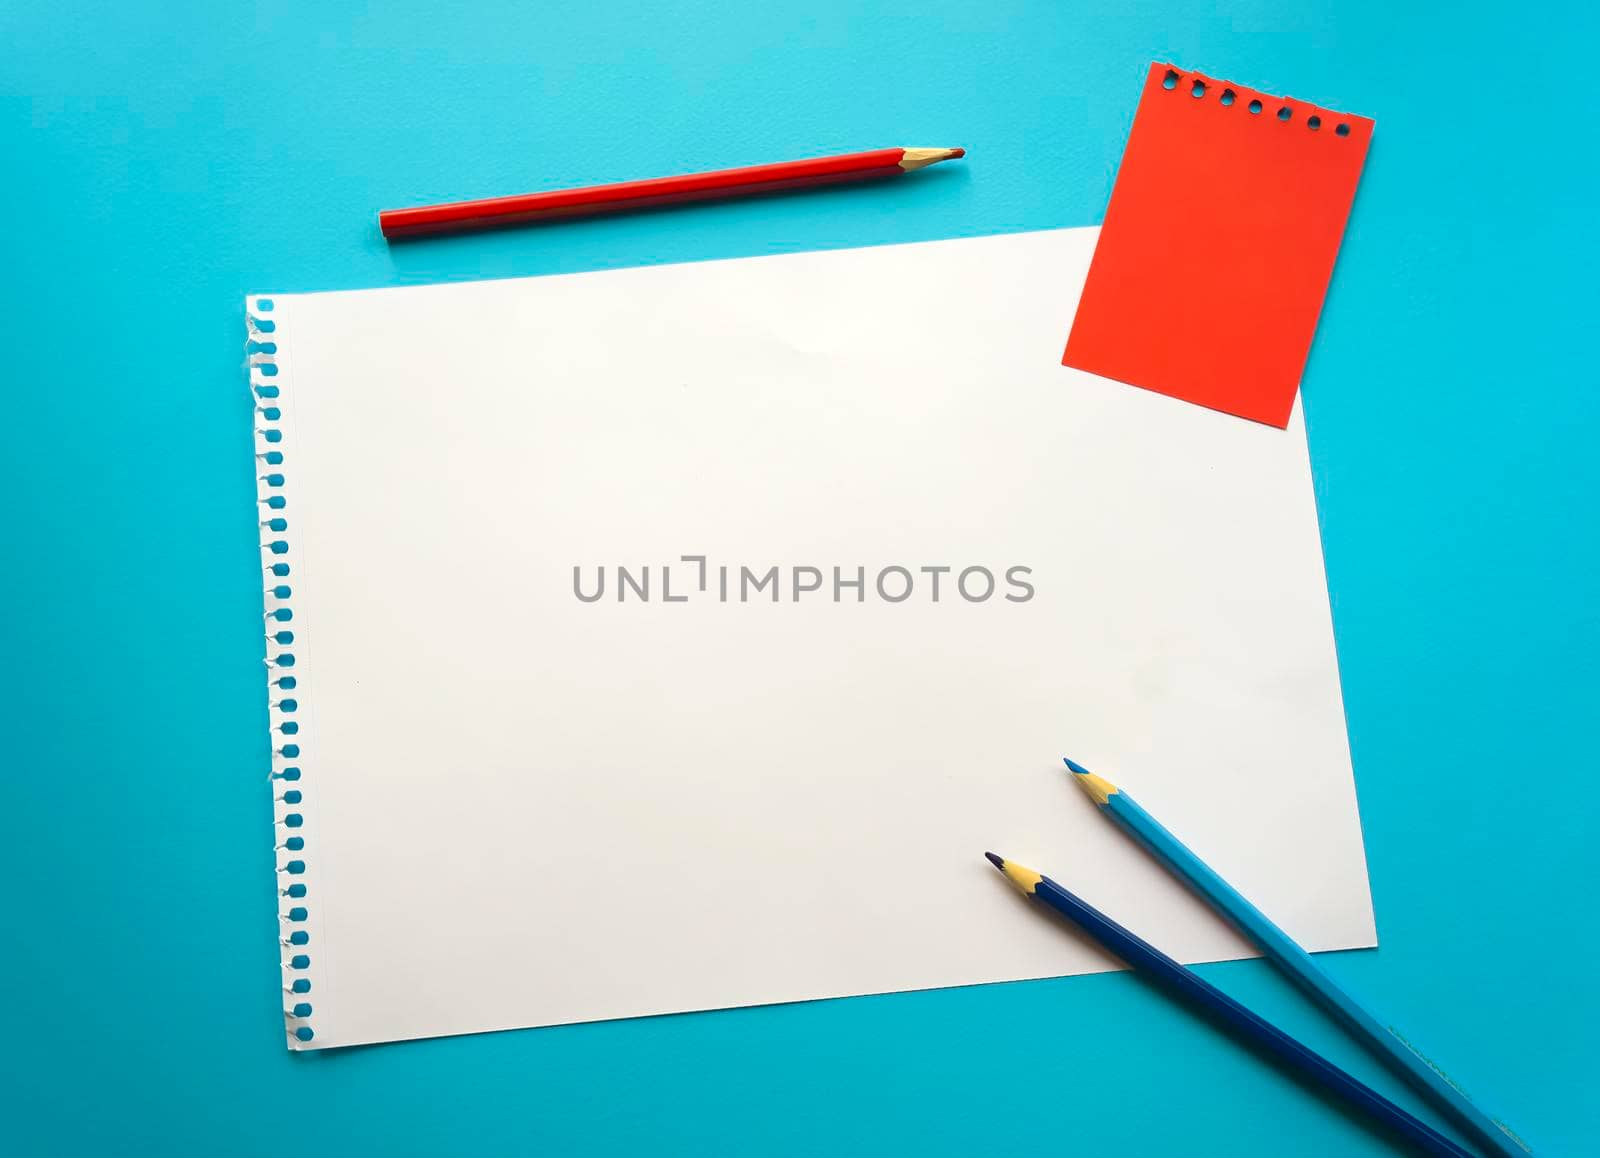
(498,211)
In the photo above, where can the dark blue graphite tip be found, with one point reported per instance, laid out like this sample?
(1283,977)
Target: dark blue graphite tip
(1078,768)
(999,862)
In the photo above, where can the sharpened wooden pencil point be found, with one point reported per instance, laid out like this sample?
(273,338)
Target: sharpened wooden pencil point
(1025,879)
(1100,789)
(922,158)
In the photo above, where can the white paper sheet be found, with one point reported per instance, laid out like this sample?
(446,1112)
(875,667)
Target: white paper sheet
(523,809)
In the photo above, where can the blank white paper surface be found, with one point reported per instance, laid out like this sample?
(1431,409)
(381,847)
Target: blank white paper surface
(520,808)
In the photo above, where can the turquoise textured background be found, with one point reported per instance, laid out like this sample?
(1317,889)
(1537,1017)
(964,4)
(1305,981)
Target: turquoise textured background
(163,160)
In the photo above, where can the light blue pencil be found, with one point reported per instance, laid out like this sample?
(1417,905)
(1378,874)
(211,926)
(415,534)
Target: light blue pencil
(1384,1040)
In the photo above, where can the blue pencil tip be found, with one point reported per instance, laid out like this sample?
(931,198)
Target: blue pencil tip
(1078,768)
(999,862)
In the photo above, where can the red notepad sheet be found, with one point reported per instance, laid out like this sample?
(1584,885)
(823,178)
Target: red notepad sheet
(1218,244)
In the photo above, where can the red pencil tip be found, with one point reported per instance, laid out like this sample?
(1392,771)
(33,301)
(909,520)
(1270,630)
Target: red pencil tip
(958,152)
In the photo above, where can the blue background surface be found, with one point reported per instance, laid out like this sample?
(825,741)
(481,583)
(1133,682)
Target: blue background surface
(164,160)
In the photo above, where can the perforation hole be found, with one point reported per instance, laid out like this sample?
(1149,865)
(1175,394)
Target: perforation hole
(271,413)
(266,325)
(276,502)
(266,369)
(272,457)
(263,305)
(293,820)
(1254,106)
(265,391)
(1313,123)
(295,868)
(289,728)
(1228,97)
(303,1009)
(1197,89)
(304,1033)
(1285,113)
(288,706)
(1170,81)
(300,985)
(299,961)
(290,751)
(299,937)
(282,614)
(290,774)
(257,346)
(292,796)
(296,891)
(287,683)
(282,591)
(295,843)
(278,547)
(1342,130)
(272,435)
(278,525)
(285,660)
(283,638)
(280,569)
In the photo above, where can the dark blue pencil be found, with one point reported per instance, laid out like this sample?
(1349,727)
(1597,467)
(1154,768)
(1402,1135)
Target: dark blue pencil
(1252,1028)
